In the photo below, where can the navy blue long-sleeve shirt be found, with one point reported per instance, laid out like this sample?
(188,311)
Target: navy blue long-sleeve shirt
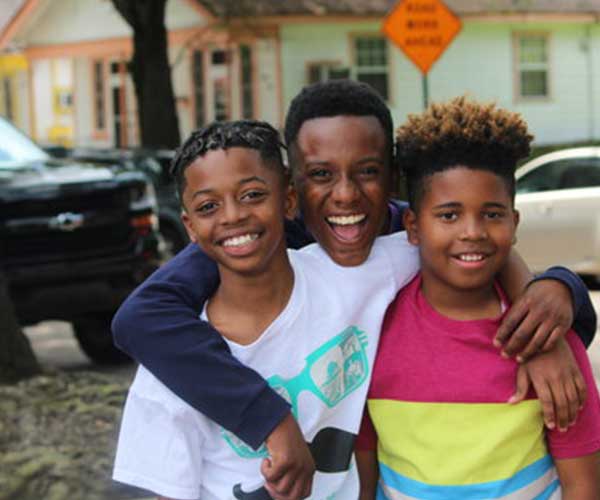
(158,326)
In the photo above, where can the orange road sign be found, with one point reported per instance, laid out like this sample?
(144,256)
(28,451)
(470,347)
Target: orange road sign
(423,29)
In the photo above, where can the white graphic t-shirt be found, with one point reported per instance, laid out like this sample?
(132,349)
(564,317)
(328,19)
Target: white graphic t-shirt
(318,354)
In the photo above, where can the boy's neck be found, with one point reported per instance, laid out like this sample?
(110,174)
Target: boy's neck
(245,305)
(461,304)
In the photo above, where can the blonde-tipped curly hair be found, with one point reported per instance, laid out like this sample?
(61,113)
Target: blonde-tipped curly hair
(460,132)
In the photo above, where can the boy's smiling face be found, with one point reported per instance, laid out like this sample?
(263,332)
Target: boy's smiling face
(342,178)
(465,226)
(235,207)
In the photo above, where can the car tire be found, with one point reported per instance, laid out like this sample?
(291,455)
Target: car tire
(95,339)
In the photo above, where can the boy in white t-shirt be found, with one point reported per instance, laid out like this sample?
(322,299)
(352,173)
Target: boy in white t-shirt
(317,353)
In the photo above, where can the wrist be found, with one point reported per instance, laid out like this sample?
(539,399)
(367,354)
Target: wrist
(569,281)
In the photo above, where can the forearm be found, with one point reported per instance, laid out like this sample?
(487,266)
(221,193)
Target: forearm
(159,326)
(366,462)
(580,492)
(580,477)
(585,320)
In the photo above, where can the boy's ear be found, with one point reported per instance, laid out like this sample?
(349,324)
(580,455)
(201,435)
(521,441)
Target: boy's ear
(290,202)
(185,218)
(409,218)
(516,220)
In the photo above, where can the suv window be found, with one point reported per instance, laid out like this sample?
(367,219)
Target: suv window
(562,174)
(15,147)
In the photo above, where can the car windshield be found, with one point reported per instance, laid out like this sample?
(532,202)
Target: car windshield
(16,148)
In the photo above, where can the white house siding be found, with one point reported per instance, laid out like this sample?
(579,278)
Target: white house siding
(267,105)
(72,21)
(479,62)
(181,77)
(47,75)
(22,94)
(594,65)
(83,101)
(305,43)
(42,101)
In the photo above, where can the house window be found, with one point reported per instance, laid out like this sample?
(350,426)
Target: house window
(198,79)
(371,63)
(323,71)
(246,82)
(218,57)
(532,70)
(99,96)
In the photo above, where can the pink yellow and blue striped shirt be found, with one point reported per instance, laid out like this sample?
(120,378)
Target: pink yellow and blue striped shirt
(440,419)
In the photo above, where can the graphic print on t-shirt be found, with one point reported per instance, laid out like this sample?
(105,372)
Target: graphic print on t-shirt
(332,372)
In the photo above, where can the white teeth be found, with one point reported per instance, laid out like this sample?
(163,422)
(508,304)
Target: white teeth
(470,257)
(238,241)
(346,220)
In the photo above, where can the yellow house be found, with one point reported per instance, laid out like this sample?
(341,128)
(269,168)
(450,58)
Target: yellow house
(13,83)
(79,90)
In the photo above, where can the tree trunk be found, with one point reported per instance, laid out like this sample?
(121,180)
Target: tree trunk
(151,72)
(17,360)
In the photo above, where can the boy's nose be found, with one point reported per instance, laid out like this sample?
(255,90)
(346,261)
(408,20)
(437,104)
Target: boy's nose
(345,191)
(474,229)
(232,213)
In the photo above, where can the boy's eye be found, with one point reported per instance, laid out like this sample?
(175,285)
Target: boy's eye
(369,171)
(320,174)
(448,216)
(206,207)
(253,195)
(494,215)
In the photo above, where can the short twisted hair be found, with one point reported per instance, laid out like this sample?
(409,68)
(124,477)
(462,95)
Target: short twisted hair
(338,98)
(460,132)
(251,134)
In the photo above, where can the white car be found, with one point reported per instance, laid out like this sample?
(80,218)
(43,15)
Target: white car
(558,195)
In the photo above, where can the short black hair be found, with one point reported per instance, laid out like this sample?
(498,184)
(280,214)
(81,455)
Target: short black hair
(338,98)
(251,134)
(460,132)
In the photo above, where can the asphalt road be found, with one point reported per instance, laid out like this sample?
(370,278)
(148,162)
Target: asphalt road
(55,346)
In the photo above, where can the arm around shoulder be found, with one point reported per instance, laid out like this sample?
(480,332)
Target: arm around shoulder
(159,326)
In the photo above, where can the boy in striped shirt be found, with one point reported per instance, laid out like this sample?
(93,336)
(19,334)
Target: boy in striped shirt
(439,424)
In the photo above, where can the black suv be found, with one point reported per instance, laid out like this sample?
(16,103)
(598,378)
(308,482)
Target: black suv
(156,165)
(75,239)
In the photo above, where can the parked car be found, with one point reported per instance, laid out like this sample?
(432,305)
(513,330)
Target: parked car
(155,164)
(75,239)
(558,195)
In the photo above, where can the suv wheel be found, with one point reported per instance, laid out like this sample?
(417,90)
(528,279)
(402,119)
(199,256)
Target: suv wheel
(95,339)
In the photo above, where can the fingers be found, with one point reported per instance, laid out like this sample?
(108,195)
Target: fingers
(522,386)
(581,388)
(561,406)
(544,340)
(289,488)
(545,396)
(511,321)
(525,334)
(271,472)
(573,401)
(284,482)
(537,320)
(558,333)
